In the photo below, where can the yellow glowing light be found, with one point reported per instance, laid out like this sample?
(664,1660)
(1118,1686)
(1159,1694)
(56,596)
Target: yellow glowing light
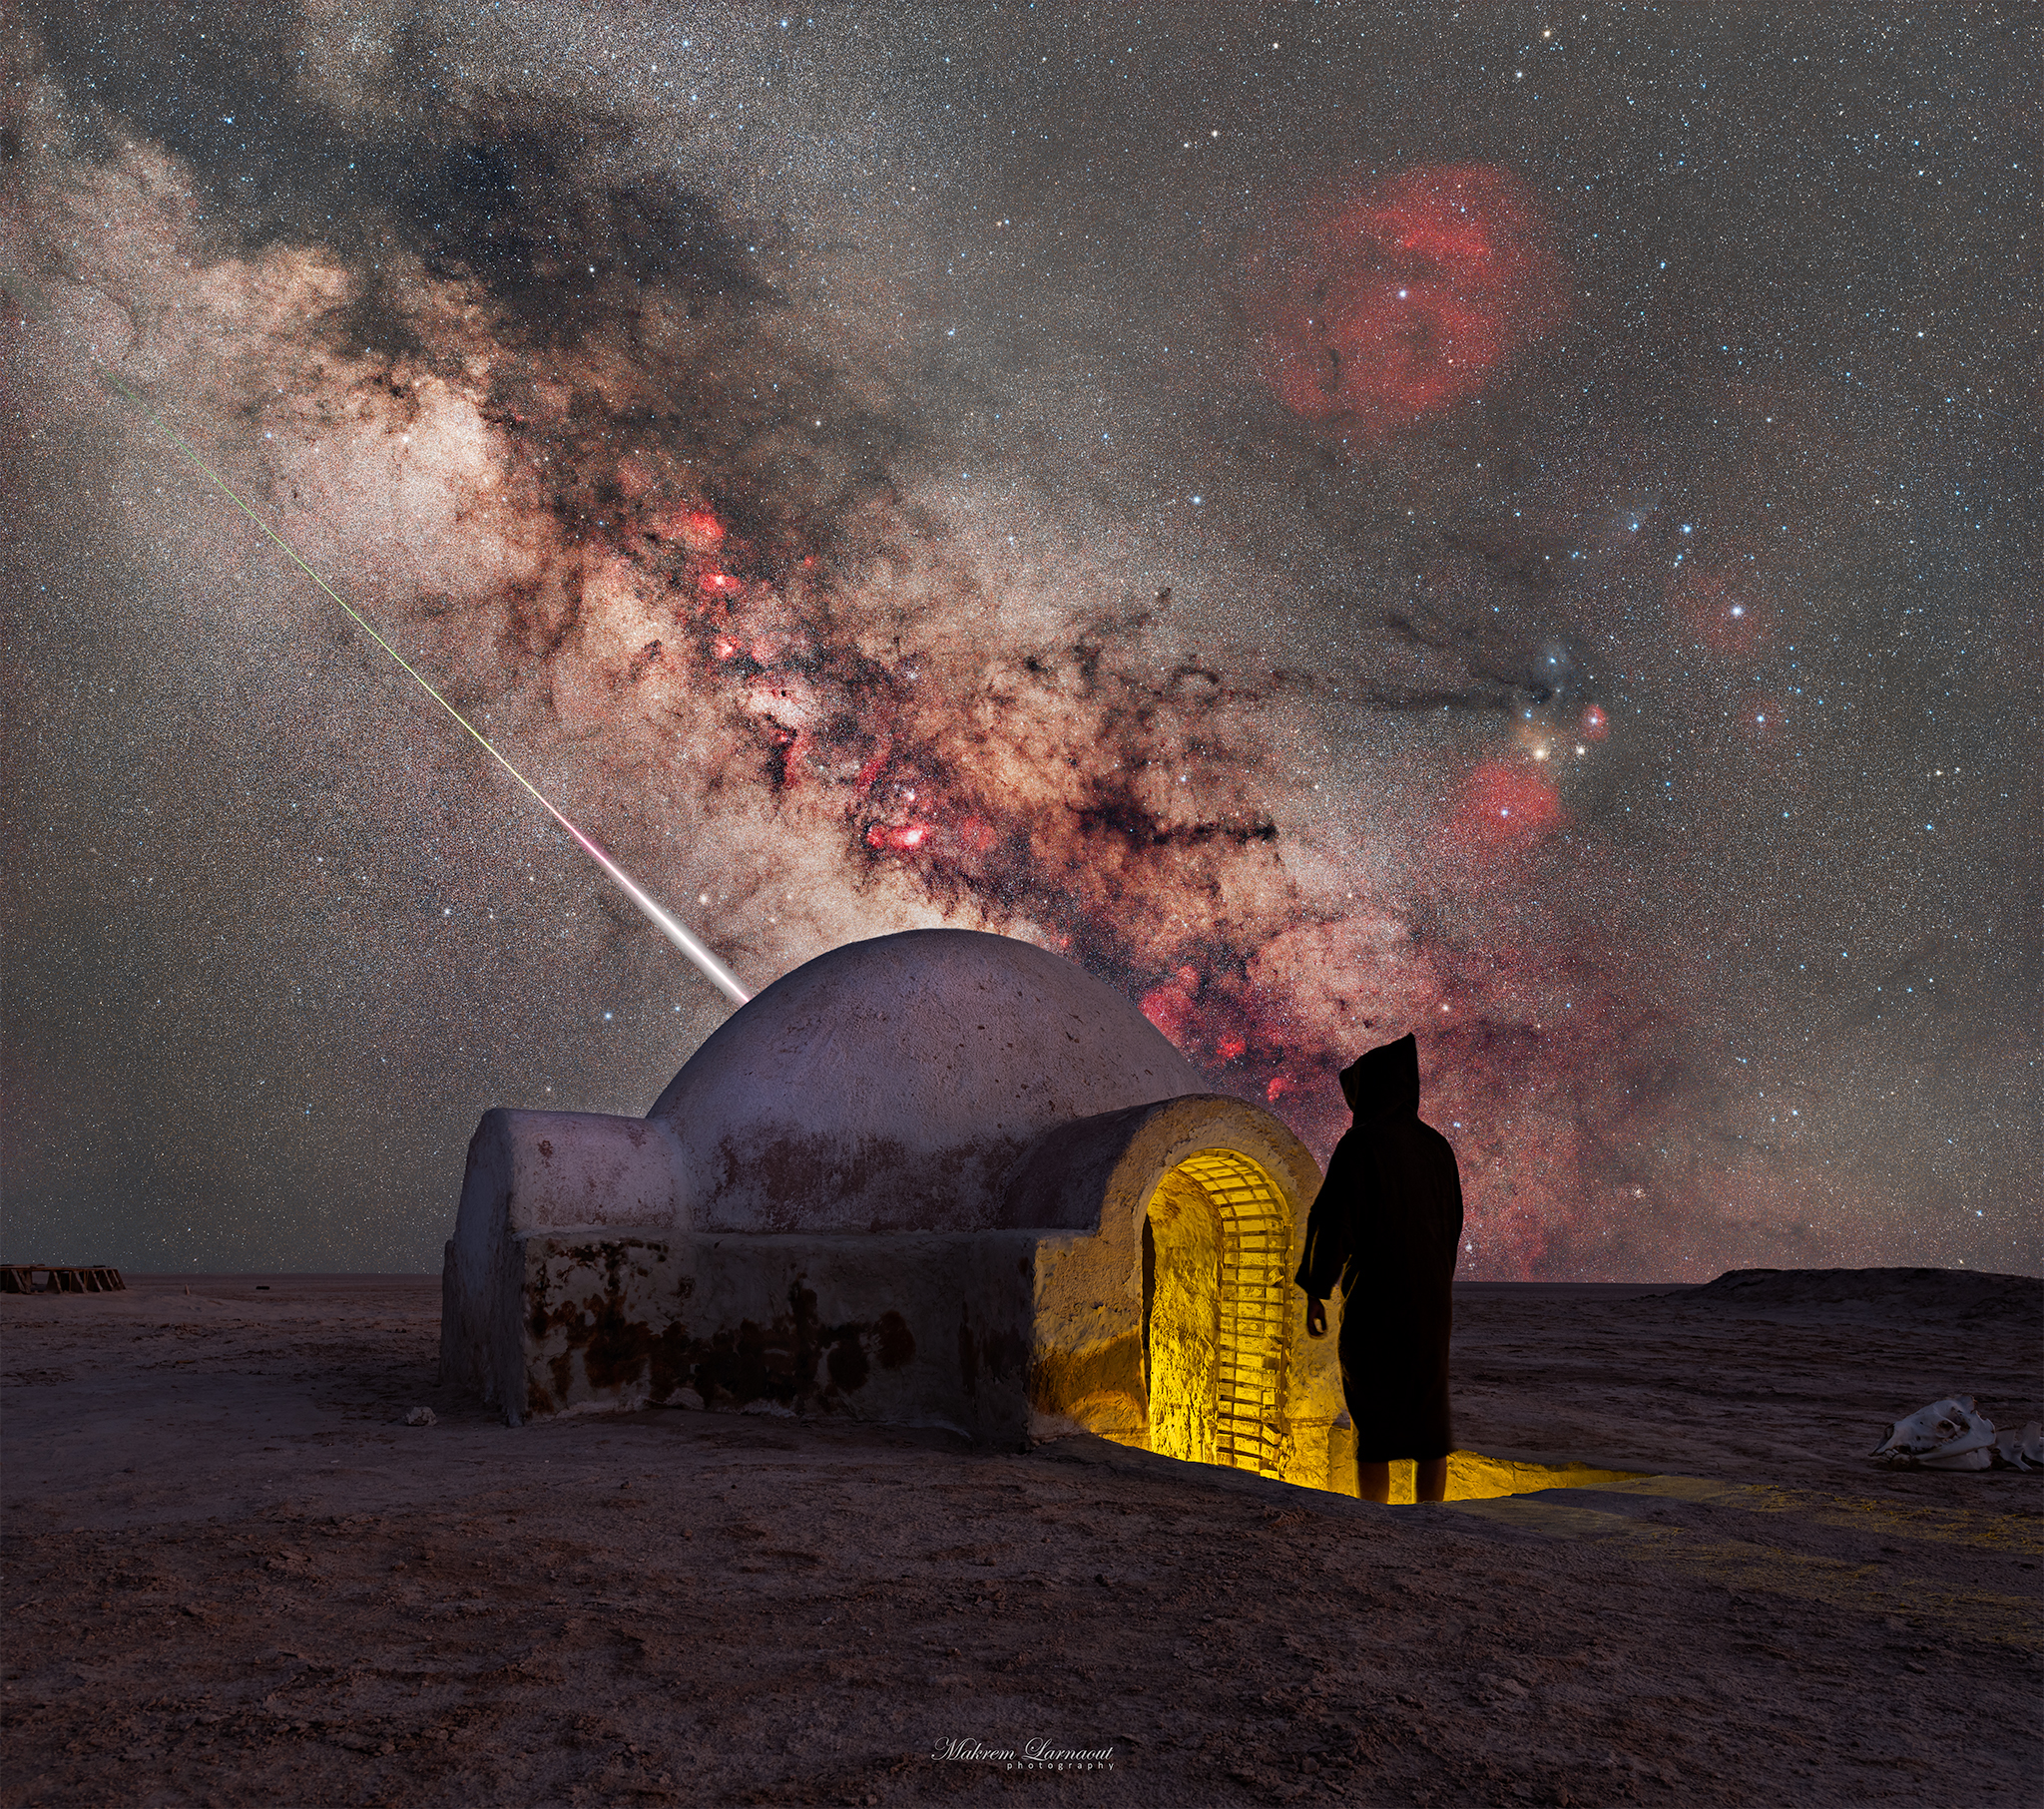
(1219,1242)
(1183,1320)
(1472,1476)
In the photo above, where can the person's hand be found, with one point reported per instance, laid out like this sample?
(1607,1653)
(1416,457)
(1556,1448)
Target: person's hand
(1316,1318)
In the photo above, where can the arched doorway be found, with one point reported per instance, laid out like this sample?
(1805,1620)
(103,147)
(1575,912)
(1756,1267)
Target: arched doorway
(1217,1244)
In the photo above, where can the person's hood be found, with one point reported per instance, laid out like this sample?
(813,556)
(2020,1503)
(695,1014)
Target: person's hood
(1384,1081)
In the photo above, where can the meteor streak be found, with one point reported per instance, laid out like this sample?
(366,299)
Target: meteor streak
(707,963)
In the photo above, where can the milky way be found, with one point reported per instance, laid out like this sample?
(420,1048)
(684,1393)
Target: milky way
(1507,529)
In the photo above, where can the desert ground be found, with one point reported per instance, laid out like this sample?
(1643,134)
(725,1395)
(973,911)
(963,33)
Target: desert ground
(236,1576)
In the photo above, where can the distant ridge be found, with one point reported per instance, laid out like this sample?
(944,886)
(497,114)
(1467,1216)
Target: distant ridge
(1966,1294)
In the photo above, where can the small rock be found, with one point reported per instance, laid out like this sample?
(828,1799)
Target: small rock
(421,1416)
(686,1397)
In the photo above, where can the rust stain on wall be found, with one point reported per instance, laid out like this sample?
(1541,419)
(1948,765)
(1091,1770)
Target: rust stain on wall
(897,1342)
(795,1359)
(848,1365)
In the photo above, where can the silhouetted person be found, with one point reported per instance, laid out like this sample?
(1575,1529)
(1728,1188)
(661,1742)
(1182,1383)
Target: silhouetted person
(1387,1226)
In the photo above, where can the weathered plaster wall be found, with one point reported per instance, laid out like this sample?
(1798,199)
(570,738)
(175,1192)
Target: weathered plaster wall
(1005,1336)
(914,1328)
(868,1193)
(530,1171)
(889,1085)
(881,1133)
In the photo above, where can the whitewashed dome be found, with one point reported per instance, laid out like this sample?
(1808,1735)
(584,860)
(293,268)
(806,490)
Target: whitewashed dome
(890,1085)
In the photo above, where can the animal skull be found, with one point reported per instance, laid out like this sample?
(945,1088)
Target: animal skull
(2022,1450)
(1946,1435)
(1980,1458)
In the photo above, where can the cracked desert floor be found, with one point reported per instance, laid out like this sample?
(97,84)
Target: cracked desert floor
(234,1576)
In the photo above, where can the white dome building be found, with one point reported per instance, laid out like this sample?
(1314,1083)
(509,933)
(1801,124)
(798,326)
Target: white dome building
(936,1177)
(888,1086)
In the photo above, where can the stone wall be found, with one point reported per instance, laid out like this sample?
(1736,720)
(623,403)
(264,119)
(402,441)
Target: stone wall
(574,1284)
(911,1328)
(529,1172)
(1006,1337)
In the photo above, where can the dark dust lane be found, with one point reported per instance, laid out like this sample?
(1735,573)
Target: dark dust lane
(237,1579)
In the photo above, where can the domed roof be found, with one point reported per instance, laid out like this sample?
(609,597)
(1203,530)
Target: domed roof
(890,1085)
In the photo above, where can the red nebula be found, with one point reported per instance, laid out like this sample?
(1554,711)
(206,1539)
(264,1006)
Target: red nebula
(725,647)
(1169,1007)
(720,583)
(1504,804)
(1197,1017)
(1173,1008)
(1595,724)
(1405,300)
(1279,1085)
(696,529)
(897,839)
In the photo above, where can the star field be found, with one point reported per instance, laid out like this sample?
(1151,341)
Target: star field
(1514,524)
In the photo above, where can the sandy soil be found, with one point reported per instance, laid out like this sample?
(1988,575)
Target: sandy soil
(236,1577)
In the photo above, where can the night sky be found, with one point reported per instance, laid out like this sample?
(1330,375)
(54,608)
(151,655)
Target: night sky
(1517,525)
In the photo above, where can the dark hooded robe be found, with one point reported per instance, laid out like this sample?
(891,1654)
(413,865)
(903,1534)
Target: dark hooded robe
(1387,1227)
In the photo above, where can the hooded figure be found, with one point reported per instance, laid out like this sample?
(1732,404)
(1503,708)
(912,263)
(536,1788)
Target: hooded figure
(1387,1226)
